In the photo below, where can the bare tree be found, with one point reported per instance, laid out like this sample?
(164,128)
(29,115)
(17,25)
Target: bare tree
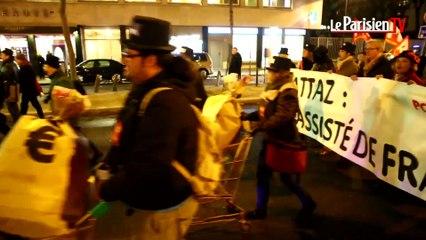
(66,32)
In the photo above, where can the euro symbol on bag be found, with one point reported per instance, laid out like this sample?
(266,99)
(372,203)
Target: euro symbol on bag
(42,139)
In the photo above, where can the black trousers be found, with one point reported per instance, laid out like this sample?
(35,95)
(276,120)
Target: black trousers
(33,99)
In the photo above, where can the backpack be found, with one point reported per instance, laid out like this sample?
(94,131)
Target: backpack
(208,165)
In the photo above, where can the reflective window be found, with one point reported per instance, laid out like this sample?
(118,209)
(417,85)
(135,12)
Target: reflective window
(235,2)
(98,0)
(277,3)
(250,3)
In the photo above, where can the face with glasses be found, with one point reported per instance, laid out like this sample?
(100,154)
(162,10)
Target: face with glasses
(372,50)
(134,68)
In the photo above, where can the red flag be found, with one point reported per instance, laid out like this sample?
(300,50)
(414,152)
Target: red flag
(403,45)
(360,36)
(394,38)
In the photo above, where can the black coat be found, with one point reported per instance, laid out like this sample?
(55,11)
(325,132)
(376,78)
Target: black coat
(236,63)
(147,144)
(382,66)
(27,80)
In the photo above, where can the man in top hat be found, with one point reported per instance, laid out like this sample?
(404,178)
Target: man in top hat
(284,54)
(276,115)
(58,78)
(148,198)
(9,83)
(346,64)
(308,57)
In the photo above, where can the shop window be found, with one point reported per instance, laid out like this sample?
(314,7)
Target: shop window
(250,3)
(43,0)
(277,3)
(234,2)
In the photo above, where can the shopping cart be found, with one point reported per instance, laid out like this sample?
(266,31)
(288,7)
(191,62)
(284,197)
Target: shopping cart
(221,207)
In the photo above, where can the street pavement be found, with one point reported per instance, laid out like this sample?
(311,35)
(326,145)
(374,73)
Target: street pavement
(352,203)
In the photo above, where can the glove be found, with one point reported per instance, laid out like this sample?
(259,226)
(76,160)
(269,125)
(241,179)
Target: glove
(46,100)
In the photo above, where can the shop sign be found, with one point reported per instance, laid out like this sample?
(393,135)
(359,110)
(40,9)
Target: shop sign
(15,12)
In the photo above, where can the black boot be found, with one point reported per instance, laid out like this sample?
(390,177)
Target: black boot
(257,214)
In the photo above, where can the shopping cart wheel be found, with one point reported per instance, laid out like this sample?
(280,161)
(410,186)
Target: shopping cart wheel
(245,226)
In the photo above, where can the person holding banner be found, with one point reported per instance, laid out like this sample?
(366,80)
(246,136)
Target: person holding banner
(346,65)
(405,66)
(376,65)
(276,118)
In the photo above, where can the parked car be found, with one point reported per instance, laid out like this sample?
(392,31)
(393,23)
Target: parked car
(87,70)
(205,63)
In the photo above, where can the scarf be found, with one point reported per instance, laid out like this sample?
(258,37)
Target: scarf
(341,63)
(370,64)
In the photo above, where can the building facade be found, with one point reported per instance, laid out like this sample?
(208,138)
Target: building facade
(97,26)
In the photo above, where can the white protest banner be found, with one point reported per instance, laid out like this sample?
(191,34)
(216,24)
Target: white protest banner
(378,124)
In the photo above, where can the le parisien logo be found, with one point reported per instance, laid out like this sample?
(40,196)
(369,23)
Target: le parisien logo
(349,25)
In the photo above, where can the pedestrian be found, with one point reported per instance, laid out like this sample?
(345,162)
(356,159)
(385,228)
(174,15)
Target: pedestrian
(308,57)
(9,77)
(236,63)
(148,198)
(28,85)
(276,118)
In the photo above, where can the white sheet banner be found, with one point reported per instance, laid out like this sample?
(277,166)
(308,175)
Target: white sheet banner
(378,124)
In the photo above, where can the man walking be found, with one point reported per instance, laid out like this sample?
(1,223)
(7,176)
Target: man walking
(149,198)
(9,78)
(236,63)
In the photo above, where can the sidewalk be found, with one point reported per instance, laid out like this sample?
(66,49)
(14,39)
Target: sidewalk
(109,102)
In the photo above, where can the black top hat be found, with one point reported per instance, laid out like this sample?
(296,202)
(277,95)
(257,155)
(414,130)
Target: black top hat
(148,33)
(8,52)
(52,61)
(188,52)
(348,47)
(283,51)
(309,47)
(280,64)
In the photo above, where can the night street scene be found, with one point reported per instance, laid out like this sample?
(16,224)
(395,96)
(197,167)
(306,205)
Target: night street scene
(202,120)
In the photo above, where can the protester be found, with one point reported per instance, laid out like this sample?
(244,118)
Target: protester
(277,122)
(323,63)
(346,65)
(376,65)
(9,79)
(27,81)
(308,57)
(58,78)
(148,198)
(236,62)
(198,83)
(40,63)
(405,66)
(284,54)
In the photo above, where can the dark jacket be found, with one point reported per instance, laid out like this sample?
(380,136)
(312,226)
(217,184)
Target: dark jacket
(147,144)
(279,122)
(8,76)
(27,80)
(382,66)
(236,63)
(306,64)
(58,78)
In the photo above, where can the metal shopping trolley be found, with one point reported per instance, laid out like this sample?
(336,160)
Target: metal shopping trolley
(221,206)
